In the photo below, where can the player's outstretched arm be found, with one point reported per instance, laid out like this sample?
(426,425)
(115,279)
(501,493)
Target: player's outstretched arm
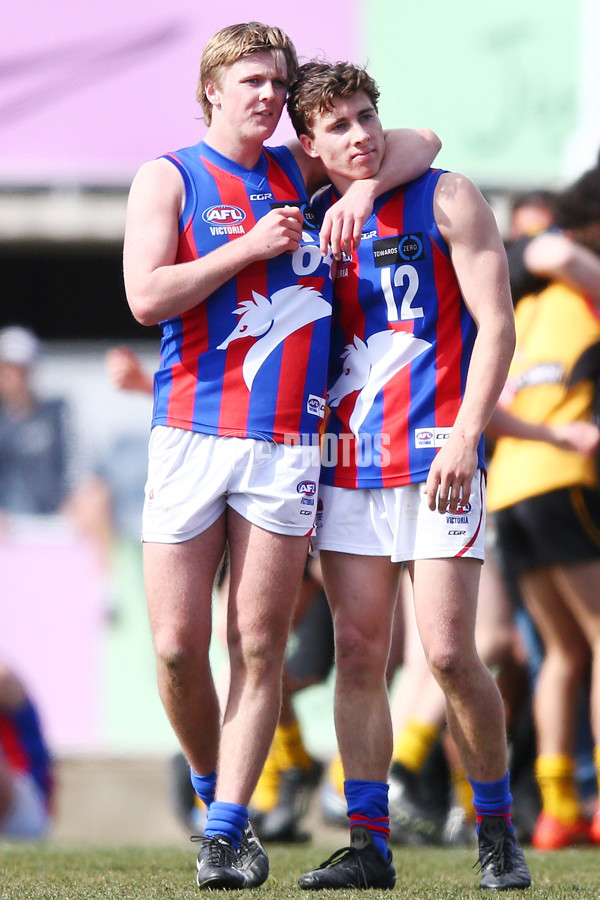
(408,154)
(554,255)
(580,436)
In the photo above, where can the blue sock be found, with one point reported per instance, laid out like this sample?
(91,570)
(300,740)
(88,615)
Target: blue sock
(492,798)
(228,820)
(368,805)
(204,785)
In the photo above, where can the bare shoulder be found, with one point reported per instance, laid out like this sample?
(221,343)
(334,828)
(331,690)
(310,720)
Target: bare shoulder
(454,190)
(157,183)
(460,208)
(157,174)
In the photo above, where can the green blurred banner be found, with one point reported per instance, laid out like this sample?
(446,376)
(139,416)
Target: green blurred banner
(498,82)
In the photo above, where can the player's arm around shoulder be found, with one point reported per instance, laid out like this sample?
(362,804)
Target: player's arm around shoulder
(408,153)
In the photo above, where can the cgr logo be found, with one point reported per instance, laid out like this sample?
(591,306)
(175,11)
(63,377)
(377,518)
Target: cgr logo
(308,488)
(223,215)
(261,196)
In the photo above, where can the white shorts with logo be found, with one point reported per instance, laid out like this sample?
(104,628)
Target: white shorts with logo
(192,478)
(28,816)
(398,523)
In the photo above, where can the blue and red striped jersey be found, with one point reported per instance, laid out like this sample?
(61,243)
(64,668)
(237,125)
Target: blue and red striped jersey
(23,747)
(251,360)
(402,339)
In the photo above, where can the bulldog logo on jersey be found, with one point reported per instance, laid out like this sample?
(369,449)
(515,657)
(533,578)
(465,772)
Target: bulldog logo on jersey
(371,364)
(272,320)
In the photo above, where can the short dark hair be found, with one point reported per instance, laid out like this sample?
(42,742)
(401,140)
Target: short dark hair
(543,198)
(578,209)
(319,84)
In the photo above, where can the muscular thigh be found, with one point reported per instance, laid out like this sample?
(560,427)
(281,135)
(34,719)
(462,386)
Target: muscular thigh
(362,592)
(445,594)
(265,572)
(578,584)
(179,584)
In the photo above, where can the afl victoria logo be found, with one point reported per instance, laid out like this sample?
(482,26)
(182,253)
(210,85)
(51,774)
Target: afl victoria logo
(223,215)
(308,488)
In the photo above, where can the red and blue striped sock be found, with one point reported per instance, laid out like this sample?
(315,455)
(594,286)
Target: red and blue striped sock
(492,798)
(368,805)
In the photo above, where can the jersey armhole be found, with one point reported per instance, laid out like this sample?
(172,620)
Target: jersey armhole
(189,203)
(428,215)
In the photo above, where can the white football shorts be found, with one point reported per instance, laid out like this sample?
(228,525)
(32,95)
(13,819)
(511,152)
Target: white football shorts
(398,523)
(193,477)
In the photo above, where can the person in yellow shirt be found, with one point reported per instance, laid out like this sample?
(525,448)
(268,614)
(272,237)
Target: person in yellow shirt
(543,491)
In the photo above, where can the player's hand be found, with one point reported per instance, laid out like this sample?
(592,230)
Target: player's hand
(343,223)
(582,437)
(126,372)
(450,477)
(280,231)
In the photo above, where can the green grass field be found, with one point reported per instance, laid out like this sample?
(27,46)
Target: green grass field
(126,873)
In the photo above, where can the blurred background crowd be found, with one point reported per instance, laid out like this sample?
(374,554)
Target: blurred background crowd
(80,108)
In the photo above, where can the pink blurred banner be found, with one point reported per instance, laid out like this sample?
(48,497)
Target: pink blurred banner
(52,627)
(89,92)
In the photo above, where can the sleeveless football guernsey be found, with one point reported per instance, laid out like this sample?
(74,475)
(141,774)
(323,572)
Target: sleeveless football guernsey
(402,339)
(249,361)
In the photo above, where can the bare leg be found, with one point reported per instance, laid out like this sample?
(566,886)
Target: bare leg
(566,657)
(265,572)
(579,584)
(362,593)
(396,659)
(446,605)
(179,582)
(495,630)
(417,695)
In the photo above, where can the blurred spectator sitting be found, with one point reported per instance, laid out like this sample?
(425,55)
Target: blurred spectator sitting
(33,450)
(26,778)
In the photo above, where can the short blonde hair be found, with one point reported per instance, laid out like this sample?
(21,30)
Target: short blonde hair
(232,43)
